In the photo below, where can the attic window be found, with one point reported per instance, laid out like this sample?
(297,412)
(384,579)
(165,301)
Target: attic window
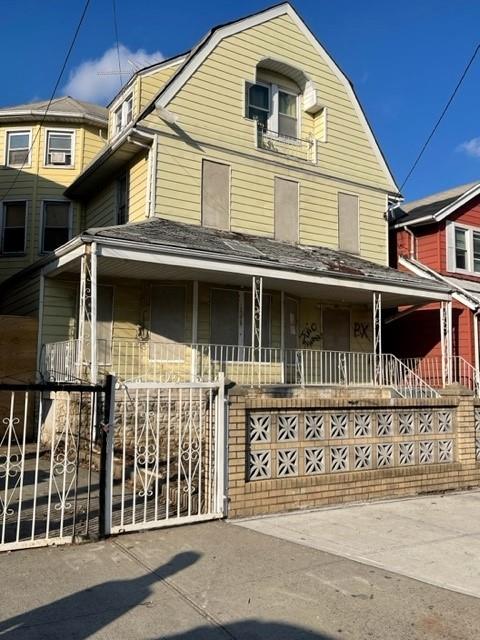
(123,114)
(274,108)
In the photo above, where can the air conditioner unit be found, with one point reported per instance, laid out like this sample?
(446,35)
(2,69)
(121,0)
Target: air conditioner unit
(58,157)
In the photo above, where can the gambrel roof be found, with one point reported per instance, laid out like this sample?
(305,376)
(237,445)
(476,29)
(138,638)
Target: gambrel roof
(435,207)
(203,49)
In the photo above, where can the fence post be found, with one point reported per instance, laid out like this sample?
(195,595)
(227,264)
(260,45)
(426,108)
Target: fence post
(221,439)
(106,459)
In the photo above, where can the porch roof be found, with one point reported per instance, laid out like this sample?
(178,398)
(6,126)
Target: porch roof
(210,251)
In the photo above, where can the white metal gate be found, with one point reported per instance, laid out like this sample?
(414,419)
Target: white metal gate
(47,479)
(165,455)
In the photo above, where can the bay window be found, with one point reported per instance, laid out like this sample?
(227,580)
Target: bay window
(56,224)
(13,222)
(18,148)
(59,148)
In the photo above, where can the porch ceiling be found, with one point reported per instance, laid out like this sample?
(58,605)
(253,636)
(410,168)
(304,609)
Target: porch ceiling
(111,268)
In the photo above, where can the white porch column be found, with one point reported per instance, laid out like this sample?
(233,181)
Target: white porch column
(257,300)
(194,373)
(87,317)
(377,338)
(446,341)
(476,354)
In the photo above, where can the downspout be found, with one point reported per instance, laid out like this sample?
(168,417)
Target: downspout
(413,244)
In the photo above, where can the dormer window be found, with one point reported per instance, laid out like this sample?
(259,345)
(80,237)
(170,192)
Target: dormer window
(274,108)
(123,114)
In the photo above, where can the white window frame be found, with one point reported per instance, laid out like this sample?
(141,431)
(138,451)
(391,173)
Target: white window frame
(72,148)
(8,254)
(273,99)
(122,109)
(42,251)
(451,248)
(14,131)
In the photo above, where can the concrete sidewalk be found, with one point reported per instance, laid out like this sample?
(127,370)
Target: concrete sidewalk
(435,539)
(217,581)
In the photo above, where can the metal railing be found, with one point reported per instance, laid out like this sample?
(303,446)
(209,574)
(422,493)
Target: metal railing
(456,370)
(150,361)
(299,148)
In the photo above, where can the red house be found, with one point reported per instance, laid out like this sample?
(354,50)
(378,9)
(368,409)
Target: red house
(438,237)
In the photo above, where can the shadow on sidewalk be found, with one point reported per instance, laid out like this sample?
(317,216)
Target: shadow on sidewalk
(84,614)
(250,630)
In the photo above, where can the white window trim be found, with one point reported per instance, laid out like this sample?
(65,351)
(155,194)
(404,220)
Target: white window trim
(122,107)
(46,164)
(13,254)
(27,130)
(41,251)
(273,101)
(450,245)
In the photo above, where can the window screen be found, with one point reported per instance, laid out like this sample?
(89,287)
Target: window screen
(348,223)
(258,104)
(122,199)
(286,210)
(215,195)
(56,225)
(13,227)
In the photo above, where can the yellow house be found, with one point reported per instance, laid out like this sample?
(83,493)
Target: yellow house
(43,149)
(236,220)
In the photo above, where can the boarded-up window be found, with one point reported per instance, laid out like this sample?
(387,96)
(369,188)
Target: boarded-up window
(348,231)
(215,195)
(167,322)
(224,316)
(286,210)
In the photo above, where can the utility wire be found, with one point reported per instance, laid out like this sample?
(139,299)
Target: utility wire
(60,75)
(445,109)
(115,27)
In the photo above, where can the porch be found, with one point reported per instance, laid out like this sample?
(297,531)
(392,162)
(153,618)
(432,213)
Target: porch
(161,301)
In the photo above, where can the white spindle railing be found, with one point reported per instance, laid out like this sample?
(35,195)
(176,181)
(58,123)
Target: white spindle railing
(150,361)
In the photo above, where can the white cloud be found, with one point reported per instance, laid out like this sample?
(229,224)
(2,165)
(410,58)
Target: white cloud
(470,147)
(98,81)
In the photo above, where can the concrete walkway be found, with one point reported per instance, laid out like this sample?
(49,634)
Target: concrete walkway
(217,581)
(433,539)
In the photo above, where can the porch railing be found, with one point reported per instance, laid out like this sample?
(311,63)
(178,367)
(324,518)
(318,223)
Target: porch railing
(456,370)
(149,361)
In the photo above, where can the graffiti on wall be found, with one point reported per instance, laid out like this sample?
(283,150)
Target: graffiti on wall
(310,334)
(361,330)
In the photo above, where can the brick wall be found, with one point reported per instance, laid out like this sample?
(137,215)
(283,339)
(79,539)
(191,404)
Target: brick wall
(308,451)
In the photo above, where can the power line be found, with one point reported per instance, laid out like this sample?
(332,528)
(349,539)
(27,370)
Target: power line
(445,109)
(115,27)
(52,96)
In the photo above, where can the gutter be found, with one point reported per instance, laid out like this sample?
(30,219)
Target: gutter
(105,154)
(475,302)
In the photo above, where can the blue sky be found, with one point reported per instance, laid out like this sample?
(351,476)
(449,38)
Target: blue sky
(404,59)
